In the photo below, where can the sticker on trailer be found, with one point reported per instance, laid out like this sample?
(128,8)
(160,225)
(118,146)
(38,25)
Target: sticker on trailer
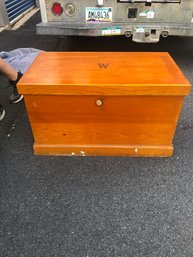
(140,30)
(150,14)
(102,14)
(142,14)
(111,31)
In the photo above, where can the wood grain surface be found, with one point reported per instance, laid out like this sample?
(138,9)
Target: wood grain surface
(122,122)
(130,106)
(122,73)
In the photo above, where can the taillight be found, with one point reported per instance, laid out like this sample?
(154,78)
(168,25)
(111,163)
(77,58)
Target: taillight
(57,9)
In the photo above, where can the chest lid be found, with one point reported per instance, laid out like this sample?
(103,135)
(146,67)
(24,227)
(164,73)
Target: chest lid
(104,73)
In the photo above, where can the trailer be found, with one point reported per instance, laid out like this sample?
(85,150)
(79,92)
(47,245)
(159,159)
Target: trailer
(143,20)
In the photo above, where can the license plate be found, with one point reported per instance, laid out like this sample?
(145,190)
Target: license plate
(94,14)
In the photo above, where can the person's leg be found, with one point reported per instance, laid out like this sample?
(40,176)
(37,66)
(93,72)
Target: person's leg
(7,70)
(15,97)
(13,77)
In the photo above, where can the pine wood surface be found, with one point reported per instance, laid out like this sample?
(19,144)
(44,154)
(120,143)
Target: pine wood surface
(131,109)
(122,73)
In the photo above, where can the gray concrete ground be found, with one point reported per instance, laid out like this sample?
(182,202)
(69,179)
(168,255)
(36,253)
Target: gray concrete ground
(94,206)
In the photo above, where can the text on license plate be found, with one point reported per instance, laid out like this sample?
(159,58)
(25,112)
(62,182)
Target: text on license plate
(94,14)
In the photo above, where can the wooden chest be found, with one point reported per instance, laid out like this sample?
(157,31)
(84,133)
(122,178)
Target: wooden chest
(103,103)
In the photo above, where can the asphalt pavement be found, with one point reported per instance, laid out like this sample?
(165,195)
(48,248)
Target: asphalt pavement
(94,206)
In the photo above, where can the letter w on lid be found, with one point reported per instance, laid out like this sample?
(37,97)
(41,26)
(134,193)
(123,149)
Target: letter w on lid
(103,65)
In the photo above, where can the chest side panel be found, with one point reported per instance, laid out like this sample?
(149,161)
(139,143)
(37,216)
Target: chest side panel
(78,120)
